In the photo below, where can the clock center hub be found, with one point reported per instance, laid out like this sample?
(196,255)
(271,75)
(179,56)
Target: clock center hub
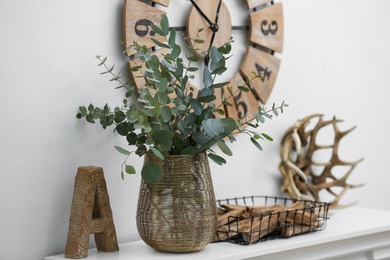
(214,27)
(216,31)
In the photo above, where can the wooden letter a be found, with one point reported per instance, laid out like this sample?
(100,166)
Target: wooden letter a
(90,214)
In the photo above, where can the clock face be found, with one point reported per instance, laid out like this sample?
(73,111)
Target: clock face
(256,27)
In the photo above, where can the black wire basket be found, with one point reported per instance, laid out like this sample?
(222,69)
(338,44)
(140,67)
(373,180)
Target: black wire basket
(249,220)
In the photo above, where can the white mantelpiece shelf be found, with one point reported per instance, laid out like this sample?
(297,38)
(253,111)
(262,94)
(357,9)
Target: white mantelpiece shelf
(352,233)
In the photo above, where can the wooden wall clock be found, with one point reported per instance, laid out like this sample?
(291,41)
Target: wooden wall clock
(260,21)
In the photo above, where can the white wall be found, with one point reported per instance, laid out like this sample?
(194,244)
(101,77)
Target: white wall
(336,61)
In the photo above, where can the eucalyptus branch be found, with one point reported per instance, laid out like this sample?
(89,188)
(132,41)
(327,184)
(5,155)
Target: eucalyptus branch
(264,113)
(236,91)
(115,77)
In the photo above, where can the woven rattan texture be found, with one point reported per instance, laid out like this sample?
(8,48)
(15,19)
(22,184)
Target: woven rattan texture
(178,213)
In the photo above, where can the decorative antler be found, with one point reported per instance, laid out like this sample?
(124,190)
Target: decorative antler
(297,149)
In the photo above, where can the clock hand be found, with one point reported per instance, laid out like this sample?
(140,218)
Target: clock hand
(218,8)
(214,28)
(201,13)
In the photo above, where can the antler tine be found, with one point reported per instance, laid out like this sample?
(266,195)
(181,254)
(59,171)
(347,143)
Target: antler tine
(291,189)
(338,206)
(302,124)
(352,163)
(321,163)
(296,169)
(297,141)
(319,147)
(353,186)
(313,134)
(335,202)
(337,130)
(348,131)
(346,176)
(308,118)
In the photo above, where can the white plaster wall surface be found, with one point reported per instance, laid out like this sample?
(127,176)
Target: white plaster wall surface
(335,61)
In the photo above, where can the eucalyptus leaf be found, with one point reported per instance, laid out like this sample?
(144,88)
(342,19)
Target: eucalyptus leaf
(215,54)
(123,128)
(163,138)
(243,89)
(164,23)
(130,169)
(207,79)
(166,113)
(213,127)
(151,173)
(207,145)
(157,152)
(220,112)
(200,137)
(199,41)
(119,116)
(106,121)
(194,58)
(157,30)
(260,118)
(224,148)
(230,91)
(141,150)
(190,119)
(258,146)
(150,112)
(192,69)
(219,71)
(207,99)
(175,52)
(190,150)
(216,158)
(182,107)
(269,138)
(122,151)
(229,125)
(170,66)
(149,141)
(227,103)
(172,37)
(220,85)
(257,136)
(90,118)
(83,110)
(197,106)
(179,92)
(132,138)
(102,61)
(136,68)
(184,82)
(162,98)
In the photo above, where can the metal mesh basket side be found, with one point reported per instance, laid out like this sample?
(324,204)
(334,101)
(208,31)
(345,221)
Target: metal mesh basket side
(260,228)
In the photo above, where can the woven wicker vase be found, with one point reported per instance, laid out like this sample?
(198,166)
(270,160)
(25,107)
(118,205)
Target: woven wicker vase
(178,214)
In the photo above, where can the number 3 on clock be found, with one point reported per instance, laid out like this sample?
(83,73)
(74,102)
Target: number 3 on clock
(267,27)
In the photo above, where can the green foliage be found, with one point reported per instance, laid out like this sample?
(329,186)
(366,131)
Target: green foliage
(185,124)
